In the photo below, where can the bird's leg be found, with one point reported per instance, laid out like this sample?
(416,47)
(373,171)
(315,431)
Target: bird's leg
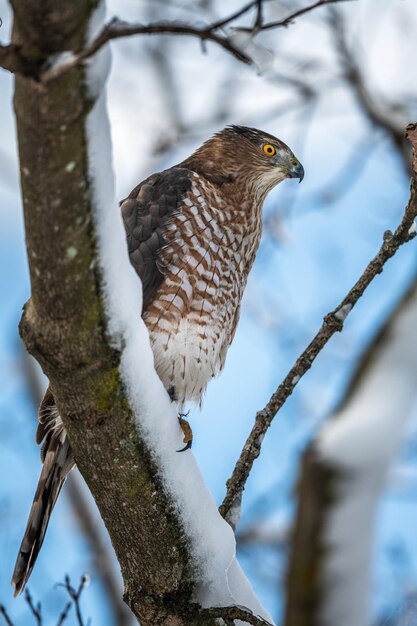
(186,429)
(172,394)
(185,426)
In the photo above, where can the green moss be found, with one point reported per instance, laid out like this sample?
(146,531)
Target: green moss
(137,486)
(108,390)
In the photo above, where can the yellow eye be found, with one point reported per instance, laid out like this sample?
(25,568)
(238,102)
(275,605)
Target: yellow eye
(269,150)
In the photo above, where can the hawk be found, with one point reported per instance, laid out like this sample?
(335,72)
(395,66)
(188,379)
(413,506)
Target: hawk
(192,232)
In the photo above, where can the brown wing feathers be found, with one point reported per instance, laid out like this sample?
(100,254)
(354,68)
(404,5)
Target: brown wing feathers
(145,212)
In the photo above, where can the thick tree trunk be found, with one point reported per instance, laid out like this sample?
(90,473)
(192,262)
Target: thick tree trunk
(64,325)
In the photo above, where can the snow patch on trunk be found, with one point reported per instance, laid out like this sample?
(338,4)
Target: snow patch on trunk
(212,541)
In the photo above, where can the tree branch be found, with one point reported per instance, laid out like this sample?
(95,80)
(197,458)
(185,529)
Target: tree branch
(5,615)
(35,610)
(287,21)
(12,59)
(229,614)
(75,595)
(333,322)
(116,29)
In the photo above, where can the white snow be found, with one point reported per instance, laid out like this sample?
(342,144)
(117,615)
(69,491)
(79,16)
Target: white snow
(58,60)
(212,542)
(234,515)
(360,443)
(413,228)
(343,312)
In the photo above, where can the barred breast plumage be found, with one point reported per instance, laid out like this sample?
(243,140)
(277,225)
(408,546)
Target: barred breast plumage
(192,317)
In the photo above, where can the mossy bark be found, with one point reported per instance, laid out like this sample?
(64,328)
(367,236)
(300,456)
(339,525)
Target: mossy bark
(64,327)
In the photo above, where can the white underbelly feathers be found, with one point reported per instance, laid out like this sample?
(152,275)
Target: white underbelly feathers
(189,358)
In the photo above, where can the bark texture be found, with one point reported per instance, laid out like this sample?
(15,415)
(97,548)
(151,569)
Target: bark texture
(64,327)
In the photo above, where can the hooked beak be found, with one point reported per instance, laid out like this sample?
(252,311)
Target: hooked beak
(296,171)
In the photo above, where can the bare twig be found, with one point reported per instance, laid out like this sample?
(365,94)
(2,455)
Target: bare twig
(12,60)
(116,29)
(35,610)
(234,16)
(286,21)
(259,16)
(75,594)
(64,614)
(229,614)
(5,615)
(333,322)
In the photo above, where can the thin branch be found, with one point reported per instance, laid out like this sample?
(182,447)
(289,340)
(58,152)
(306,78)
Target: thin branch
(259,14)
(286,21)
(64,614)
(333,322)
(229,614)
(36,610)
(12,60)
(234,16)
(5,615)
(75,594)
(116,29)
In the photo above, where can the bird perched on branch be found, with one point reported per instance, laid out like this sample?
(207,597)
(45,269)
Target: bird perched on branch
(192,233)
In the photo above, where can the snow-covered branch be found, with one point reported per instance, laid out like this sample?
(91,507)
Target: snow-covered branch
(230,614)
(332,323)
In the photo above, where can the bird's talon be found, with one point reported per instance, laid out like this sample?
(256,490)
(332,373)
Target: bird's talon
(188,433)
(186,447)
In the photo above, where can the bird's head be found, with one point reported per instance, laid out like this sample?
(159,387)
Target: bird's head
(242,154)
